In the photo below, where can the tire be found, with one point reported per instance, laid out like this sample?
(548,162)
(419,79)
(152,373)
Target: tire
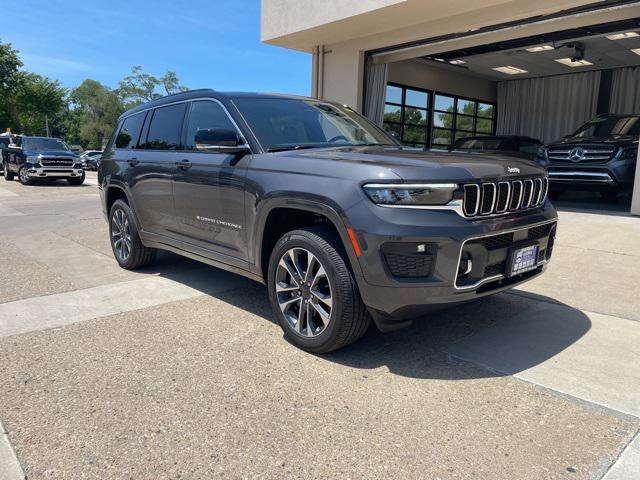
(24,177)
(121,221)
(8,175)
(348,318)
(76,180)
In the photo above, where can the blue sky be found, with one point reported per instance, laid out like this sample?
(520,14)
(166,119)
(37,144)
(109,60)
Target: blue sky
(214,43)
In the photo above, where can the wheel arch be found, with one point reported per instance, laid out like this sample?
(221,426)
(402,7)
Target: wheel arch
(280,215)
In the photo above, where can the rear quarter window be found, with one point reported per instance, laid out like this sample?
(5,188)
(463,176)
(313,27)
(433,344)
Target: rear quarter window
(129,134)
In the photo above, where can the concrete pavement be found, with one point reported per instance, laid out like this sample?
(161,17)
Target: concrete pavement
(179,372)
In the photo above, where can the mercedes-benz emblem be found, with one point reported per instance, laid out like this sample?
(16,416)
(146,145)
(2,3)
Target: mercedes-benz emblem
(576,154)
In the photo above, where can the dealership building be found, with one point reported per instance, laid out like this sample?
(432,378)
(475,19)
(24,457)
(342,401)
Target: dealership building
(434,71)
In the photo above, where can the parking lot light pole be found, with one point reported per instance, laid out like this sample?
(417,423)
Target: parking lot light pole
(635,198)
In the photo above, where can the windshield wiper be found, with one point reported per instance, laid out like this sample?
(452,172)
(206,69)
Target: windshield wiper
(283,148)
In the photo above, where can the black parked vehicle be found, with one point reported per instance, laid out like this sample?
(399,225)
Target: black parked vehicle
(511,145)
(33,158)
(307,196)
(91,159)
(601,156)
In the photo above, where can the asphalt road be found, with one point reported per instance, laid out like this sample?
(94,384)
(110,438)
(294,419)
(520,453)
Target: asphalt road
(178,371)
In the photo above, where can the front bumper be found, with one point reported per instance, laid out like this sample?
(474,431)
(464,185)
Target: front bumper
(39,171)
(394,300)
(615,174)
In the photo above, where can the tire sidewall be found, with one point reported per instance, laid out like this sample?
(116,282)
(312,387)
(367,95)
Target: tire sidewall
(77,180)
(28,181)
(332,331)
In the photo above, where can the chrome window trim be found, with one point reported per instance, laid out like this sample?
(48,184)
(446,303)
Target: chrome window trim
(526,203)
(190,100)
(493,277)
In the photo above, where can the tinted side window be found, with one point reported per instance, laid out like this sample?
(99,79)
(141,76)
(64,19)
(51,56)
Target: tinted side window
(166,128)
(206,115)
(130,131)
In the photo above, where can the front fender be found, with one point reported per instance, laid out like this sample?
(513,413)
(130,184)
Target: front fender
(307,202)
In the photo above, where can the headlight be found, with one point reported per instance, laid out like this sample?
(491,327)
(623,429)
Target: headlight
(33,159)
(629,152)
(410,194)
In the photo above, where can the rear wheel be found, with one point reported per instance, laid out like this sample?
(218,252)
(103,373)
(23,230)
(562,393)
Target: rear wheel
(23,176)
(76,180)
(127,247)
(313,293)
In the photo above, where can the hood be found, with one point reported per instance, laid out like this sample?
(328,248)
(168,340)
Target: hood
(609,140)
(50,153)
(413,165)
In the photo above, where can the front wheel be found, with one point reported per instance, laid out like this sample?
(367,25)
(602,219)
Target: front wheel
(76,180)
(313,292)
(23,176)
(8,176)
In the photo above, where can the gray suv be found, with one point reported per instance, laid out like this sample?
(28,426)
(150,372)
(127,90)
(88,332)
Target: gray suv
(341,223)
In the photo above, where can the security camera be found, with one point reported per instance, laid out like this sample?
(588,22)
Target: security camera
(577,53)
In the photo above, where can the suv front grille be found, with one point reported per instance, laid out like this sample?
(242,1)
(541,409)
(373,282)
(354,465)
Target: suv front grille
(56,162)
(489,255)
(596,153)
(502,197)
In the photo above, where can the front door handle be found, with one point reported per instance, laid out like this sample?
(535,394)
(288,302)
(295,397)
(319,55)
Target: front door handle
(184,164)
(133,161)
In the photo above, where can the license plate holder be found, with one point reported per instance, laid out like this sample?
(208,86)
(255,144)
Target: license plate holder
(523,259)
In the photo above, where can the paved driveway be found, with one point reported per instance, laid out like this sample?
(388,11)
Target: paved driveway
(178,371)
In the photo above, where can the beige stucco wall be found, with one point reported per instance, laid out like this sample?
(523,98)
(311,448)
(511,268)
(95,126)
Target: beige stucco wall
(442,79)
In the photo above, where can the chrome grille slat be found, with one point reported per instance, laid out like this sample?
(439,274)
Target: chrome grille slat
(592,153)
(489,198)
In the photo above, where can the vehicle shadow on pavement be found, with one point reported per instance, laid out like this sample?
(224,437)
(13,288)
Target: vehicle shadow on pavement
(515,330)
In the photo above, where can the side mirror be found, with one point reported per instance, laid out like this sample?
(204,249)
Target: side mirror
(216,140)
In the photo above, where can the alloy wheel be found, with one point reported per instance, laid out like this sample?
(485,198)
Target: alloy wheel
(24,175)
(121,235)
(303,292)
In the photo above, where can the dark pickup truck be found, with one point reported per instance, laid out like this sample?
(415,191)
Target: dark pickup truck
(341,223)
(601,155)
(33,158)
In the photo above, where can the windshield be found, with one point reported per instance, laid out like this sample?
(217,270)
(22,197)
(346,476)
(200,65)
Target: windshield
(43,144)
(607,126)
(478,144)
(286,124)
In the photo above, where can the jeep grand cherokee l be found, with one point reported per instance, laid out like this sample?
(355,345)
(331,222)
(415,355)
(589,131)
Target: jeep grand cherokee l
(601,155)
(34,158)
(342,224)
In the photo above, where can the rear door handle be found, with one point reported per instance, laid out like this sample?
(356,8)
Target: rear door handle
(184,164)
(133,161)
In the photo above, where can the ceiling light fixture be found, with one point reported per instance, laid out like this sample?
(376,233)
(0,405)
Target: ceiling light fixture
(570,62)
(539,48)
(457,62)
(620,36)
(509,70)
(636,51)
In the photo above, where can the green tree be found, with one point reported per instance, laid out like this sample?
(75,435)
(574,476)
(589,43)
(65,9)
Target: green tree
(94,112)
(139,87)
(10,65)
(37,101)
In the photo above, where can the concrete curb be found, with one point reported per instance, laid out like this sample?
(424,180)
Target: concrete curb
(10,468)
(627,465)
